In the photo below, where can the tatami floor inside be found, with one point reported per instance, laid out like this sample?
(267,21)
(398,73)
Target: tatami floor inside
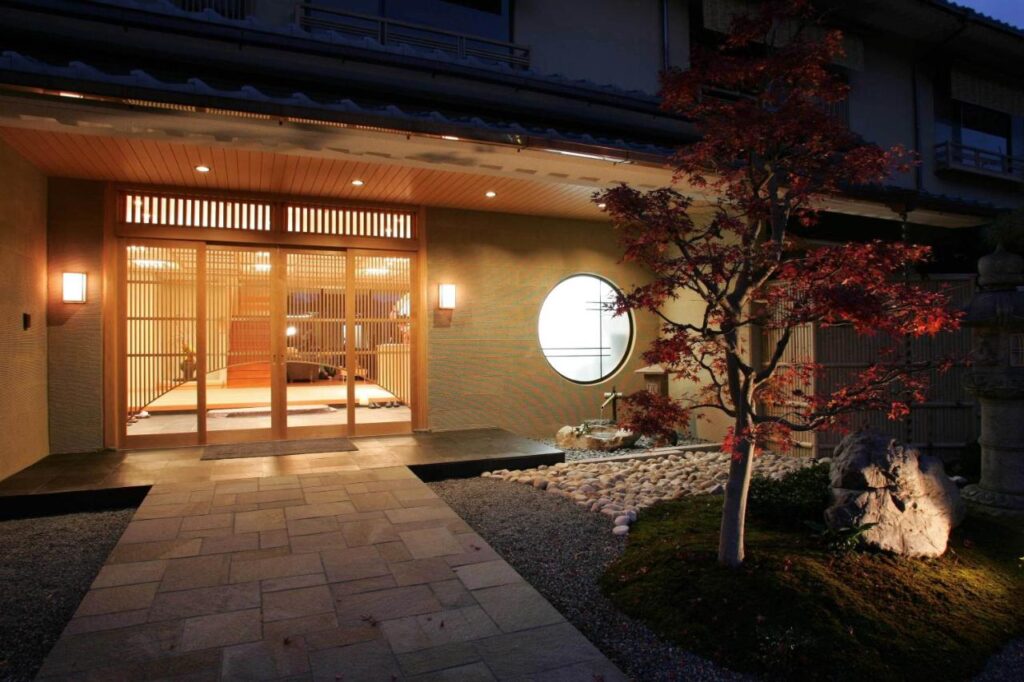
(328,566)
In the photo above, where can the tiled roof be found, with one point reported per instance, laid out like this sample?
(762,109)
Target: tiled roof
(328,36)
(982,17)
(83,75)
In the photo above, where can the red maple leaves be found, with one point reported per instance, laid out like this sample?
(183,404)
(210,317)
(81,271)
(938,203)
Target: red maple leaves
(769,157)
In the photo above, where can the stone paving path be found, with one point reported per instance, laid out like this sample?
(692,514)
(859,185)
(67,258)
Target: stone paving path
(350,575)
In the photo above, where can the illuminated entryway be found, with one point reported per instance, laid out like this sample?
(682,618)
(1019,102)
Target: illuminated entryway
(232,342)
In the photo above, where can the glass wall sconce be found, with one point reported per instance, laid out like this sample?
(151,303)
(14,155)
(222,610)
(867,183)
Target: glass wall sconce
(446,296)
(75,287)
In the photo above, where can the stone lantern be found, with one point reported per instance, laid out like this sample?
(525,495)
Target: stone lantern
(655,379)
(995,316)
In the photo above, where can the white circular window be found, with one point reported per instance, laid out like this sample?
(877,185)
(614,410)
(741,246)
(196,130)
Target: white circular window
(579,332)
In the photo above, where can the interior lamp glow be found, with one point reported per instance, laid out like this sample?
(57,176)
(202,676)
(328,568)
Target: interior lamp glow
(291,331)
(446,296)
(75,287)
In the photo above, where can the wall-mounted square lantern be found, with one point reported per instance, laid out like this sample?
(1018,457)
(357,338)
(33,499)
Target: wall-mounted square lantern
(446,296)
(75,287)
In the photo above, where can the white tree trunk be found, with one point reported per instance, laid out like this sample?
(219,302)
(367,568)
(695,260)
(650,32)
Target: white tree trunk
(734,509)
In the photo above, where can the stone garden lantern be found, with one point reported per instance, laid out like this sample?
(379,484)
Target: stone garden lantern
(996,317)
(655,379)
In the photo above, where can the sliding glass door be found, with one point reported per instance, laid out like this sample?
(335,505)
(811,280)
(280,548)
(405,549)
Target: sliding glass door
(242,343)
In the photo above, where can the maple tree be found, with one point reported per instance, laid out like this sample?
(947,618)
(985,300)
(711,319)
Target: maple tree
(768,154)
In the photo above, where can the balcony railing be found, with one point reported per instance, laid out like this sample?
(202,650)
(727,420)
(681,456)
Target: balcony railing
(229,9)
(397,33)
(961,157)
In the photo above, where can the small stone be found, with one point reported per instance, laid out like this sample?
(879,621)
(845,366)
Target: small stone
(623,520)
(620,530)
(540,483)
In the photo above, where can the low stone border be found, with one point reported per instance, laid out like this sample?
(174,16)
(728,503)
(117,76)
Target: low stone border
(620,487)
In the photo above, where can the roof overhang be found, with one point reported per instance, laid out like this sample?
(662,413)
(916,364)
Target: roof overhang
(531,175)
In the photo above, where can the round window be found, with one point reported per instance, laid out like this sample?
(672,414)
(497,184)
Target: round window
(580,335)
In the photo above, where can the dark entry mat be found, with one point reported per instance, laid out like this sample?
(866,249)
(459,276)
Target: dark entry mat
(275,448)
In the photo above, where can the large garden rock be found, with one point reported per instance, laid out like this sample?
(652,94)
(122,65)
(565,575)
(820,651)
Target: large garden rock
(908,495)
(604,437)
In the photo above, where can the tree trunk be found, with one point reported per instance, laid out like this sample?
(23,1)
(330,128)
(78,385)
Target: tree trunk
(734,509)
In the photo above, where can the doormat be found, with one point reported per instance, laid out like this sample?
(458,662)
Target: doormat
(275,448)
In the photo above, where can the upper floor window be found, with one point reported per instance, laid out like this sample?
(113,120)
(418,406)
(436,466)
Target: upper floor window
(974,126)
(489,19)
(491,6)
(962,118)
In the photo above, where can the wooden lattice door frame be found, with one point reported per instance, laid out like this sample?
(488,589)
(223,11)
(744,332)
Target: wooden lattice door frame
(278,226)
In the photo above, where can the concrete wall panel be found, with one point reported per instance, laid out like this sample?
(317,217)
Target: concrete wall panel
(75,335)
(23,404)
(485,363)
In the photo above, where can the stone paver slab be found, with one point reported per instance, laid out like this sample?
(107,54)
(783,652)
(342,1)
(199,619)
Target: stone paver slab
(517,606)
(221,629)
(353,563)
(430,542)
(306,601)
(364,662)
(198,571)
(388,604)
(438,628)
(368,532)
(487,574)
(113,575)
(206,600)
(151,530)
(420,571)
(262,519)
(527,653)
(114,599)
(275,567)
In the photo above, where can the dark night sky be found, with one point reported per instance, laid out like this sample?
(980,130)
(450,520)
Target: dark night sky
(1010,11)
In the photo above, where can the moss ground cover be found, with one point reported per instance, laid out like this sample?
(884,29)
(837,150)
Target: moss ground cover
(800,609)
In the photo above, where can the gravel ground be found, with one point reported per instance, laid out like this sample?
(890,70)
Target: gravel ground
(47,566)
(562,549)
(1006,665)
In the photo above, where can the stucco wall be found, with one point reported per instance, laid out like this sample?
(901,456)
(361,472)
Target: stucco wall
(616,42)
(485,363)
(75,334)
(23,408)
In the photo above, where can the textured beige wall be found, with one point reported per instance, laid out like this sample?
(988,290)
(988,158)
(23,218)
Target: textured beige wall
(711,424)
(75,334)
(485,363)
(23,408)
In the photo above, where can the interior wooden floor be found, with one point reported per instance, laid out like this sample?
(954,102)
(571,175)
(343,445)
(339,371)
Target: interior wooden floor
(183,397)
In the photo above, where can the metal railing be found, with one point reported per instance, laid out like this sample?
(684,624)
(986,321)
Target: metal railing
(956,156)
(396,33)
(229,9)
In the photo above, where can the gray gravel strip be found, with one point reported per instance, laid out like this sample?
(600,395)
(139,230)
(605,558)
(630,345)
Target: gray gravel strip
(46,568)
(562,549)
(1006,665)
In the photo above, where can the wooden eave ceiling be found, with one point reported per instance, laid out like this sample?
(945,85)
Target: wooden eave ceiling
(70,138)
(151,162)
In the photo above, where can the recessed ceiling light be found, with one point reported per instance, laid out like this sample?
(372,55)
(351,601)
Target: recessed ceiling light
(453,138)
(358,183)
(71,95)
(490,194)
(602,205)
(202,169)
